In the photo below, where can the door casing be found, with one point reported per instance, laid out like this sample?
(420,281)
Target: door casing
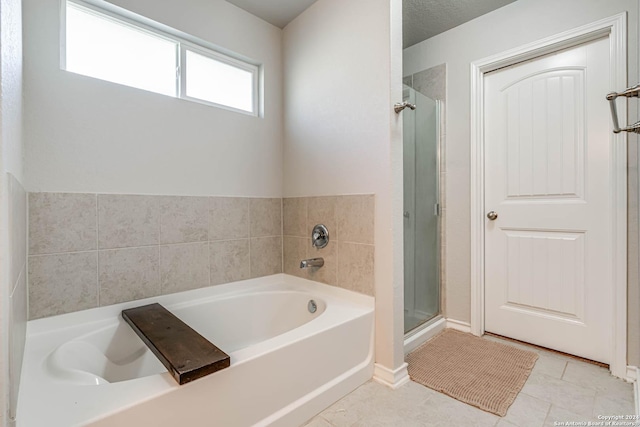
(615,28)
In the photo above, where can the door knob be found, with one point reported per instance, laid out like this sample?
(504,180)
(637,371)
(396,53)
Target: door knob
(492,215)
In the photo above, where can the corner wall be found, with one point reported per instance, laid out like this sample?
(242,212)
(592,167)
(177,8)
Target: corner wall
(341,135)
(516,24)
(91,136)
(13,297)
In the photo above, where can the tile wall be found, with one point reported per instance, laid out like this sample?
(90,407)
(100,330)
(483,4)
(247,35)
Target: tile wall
(91,250)
(18,295)
(349,257)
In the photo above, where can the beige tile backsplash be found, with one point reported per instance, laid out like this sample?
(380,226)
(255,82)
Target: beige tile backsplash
(61,283)
(229,261)
(322,210)
(266,256)
(91,250)
(128,274)
(349,256)
(295,217)
(228,218)
(184,267)
(354,217)
(265,217)
(355,267)
(61,222)
(128,220)
(184,219)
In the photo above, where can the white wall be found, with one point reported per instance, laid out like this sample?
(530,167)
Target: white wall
(342,71)
(519,23)
(11,87)
(10,162)
(88,135)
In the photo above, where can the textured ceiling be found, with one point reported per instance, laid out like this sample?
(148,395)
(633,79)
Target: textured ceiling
(423,19)
(276,12)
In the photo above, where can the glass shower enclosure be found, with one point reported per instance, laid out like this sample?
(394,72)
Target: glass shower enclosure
(421,210)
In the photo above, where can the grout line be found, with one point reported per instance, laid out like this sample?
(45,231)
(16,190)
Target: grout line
(64,253)
(181,244)
(97,279)
(160,292)
(144,246)
(566,364)
(26,254)
(547,415)
(159,211)
(249,232)
(97,253)
(209,199)
(158,206)
(265,237)
(208,263)
(337,282)
(281,234)
(355,243)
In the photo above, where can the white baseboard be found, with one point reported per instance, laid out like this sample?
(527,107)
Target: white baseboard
(393,379)
(417,339)
(632,374)
(459,325)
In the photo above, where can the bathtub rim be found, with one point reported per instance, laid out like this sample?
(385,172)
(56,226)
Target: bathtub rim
(201,295)
(73,324)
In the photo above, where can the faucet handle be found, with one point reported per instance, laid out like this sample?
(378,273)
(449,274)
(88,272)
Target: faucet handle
(319,236)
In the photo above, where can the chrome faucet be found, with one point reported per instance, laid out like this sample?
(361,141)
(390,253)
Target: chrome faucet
(312,262)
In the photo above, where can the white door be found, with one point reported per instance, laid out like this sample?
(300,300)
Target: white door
(548,262)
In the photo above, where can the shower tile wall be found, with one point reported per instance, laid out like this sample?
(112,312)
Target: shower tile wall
(349,256)
(432,82)
(90,250)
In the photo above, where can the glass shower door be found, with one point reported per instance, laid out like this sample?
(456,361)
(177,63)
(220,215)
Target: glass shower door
(421,210)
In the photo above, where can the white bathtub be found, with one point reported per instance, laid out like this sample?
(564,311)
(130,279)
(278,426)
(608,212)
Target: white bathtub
(287,364)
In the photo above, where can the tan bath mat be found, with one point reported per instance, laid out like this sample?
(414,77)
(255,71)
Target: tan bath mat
(476,371)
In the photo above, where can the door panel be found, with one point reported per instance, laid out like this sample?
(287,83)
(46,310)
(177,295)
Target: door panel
(545,119)
(546,273)
(548,258)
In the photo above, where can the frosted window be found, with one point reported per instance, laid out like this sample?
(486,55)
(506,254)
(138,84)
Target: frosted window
(105,49)
(215,81)
(128,49)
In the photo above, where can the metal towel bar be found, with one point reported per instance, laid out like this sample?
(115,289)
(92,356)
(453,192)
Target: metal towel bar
(632,92)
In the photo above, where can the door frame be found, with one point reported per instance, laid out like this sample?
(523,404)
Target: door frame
(615,28)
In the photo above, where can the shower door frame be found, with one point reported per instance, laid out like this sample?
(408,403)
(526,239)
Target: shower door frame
(430,327)
(615,29)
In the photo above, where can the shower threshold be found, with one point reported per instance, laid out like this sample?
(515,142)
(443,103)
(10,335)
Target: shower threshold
(423,333)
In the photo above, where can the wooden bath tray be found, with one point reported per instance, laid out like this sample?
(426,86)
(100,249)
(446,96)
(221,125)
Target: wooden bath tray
(184,352)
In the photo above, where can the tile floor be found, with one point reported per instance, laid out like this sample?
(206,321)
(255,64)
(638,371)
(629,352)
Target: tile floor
(559,389)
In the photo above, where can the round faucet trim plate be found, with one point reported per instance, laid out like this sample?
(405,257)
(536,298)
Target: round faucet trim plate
(320,236)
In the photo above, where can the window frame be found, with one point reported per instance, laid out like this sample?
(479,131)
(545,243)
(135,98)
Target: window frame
(183,43)
(225,59)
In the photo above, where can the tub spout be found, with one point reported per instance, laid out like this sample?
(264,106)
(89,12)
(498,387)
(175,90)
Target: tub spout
(313,262)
